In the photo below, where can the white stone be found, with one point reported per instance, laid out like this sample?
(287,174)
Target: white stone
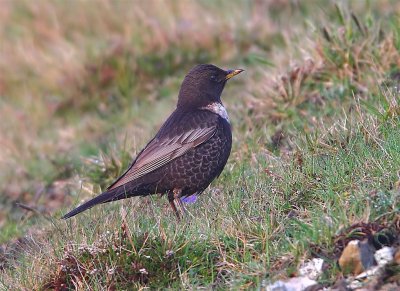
(364,278)
(312,269)
(368,273)
(293,284)
(384,256)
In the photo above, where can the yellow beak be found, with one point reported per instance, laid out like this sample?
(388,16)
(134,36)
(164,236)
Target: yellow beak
(232,73)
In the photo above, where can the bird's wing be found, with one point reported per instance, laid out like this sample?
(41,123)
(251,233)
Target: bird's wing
(161,151)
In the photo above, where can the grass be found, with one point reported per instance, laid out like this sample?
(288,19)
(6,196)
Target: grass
(316,152)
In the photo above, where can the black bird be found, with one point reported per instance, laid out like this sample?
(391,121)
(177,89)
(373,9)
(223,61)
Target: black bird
(188,152)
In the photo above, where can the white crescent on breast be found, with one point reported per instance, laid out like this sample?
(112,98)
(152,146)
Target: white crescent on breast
(219,109)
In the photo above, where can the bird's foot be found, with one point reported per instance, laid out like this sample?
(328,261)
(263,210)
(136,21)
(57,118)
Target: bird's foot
(175,196)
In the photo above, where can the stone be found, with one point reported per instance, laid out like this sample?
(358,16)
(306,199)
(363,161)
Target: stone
(384,256)
(292,284)
(312,269)
(397,256)
(357,257)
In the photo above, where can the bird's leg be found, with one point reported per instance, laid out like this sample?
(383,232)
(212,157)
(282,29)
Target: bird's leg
(177,197)
(181,206)
(171,202)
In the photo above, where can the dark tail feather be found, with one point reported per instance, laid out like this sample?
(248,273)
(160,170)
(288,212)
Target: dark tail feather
(102,198)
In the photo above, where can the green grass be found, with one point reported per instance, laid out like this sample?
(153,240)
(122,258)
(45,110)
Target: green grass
(236,233)
(316,144)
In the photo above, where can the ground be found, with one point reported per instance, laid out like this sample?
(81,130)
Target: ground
(316,139)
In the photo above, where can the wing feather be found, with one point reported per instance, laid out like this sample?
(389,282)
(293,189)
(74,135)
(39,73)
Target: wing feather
(159,152)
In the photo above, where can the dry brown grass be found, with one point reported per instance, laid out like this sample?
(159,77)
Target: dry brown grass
(52,43)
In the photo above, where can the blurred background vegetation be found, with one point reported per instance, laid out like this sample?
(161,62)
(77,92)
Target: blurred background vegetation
(84,84)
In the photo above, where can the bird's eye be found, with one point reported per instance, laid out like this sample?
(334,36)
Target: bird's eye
(213,78)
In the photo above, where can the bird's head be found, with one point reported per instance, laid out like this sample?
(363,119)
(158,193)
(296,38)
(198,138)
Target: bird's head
(203,85)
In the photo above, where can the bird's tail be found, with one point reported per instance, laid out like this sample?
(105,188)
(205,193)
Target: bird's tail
(102,198)
(122,192)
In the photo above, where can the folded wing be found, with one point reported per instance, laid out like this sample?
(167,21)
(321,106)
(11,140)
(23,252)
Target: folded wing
(161,151)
